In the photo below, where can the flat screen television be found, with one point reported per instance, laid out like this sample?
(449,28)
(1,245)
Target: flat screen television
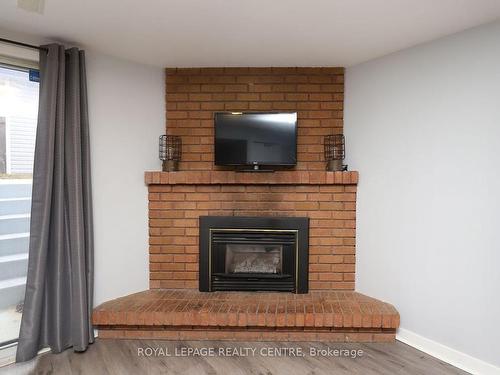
(256,139)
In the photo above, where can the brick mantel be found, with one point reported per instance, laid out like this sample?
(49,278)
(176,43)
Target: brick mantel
(242,178)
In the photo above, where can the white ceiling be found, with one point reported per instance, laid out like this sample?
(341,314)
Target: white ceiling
(191,33)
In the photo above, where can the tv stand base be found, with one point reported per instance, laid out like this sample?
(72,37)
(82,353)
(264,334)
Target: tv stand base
(256,170)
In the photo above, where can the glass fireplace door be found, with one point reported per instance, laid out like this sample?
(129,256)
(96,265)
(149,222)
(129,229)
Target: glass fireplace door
(253,260)
(241,258)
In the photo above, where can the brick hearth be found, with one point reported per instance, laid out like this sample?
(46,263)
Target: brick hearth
(187,314)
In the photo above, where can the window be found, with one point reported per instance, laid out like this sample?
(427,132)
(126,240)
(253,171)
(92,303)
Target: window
(18,118)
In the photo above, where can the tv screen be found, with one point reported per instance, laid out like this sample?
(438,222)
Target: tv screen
(255,138)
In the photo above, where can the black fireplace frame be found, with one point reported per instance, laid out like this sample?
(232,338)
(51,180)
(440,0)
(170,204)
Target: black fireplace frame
(297,225)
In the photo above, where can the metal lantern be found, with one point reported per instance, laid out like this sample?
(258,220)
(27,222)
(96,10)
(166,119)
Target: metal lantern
(335,152)
(170,152)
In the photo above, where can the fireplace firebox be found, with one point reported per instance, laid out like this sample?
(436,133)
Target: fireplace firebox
(254,254)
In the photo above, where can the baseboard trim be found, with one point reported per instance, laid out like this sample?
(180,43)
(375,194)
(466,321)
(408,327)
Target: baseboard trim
(446,354)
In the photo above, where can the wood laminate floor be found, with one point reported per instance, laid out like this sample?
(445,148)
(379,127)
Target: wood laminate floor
(122,357)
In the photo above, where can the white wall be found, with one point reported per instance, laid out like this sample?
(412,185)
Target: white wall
(423,128)
(127,115)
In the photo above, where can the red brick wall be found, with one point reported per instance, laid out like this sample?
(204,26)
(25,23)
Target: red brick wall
(193,94)
(174,212)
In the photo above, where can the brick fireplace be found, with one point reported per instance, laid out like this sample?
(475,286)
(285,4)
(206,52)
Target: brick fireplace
(178,199)
(174,308)
(192,95)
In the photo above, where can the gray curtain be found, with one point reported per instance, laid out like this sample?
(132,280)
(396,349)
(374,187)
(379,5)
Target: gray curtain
(58,301)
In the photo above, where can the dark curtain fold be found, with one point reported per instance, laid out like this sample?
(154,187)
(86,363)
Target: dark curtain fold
(58,302)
